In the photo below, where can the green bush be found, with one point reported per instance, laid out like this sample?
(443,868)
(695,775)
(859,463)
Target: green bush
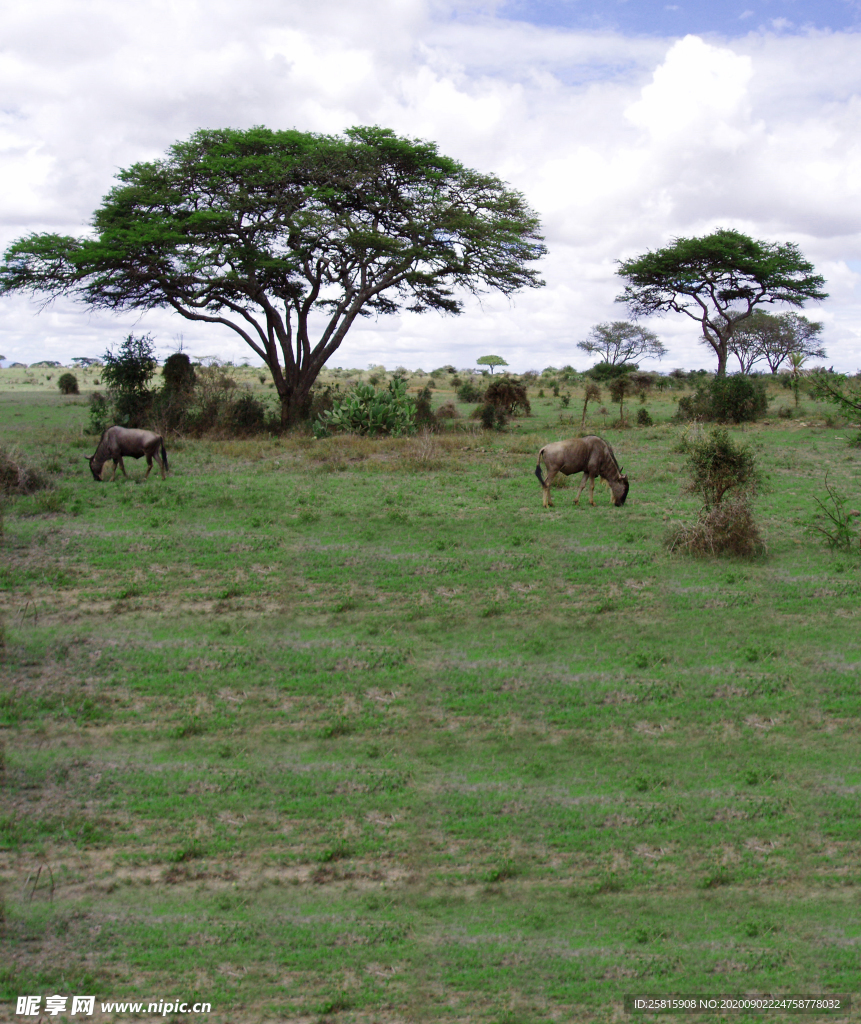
(246,415)
(718,465)
(178,374)
(127,374)
(605,371)
(100,414)
(365,410)
(735,399)
(68,384)
(643,418)
(468,391)
(508,395)
(493,417)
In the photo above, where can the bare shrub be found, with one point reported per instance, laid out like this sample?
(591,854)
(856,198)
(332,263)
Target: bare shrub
(727,528)
(424,451)
(16,477)
(448,411)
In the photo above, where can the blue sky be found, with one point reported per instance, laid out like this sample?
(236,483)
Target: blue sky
(728,18)
(624,124)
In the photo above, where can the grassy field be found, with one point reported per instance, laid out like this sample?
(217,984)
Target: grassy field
(354,730)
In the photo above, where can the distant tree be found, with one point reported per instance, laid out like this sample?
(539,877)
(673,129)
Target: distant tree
(620,388)
(270,233)
(591,393)
(622,342)
(491,361)
(84,362)
(68,384)
(774,338)
(178,374)
(718,280)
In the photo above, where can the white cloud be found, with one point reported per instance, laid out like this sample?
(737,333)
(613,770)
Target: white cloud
(620,143)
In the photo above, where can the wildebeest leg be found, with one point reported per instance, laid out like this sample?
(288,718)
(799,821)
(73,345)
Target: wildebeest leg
(591,490)
(148,466)
(160,465)
(582,485)
(545,487)
(122,466)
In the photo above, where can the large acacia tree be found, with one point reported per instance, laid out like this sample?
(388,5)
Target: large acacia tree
(274,233)
(718,280)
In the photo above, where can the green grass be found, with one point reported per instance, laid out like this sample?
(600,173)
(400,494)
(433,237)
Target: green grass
(356,730)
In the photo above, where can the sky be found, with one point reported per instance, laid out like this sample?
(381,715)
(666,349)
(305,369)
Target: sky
(625,124)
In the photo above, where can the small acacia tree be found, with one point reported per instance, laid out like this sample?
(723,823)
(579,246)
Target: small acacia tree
(718,280)
(286,237)
(491,361)
(622,342)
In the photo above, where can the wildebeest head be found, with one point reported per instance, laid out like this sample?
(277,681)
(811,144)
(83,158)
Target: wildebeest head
(97,473)
(619,489)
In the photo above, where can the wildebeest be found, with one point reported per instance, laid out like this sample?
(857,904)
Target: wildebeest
(592,457)
(119,441)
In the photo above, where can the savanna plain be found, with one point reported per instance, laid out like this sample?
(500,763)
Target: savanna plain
(354,730)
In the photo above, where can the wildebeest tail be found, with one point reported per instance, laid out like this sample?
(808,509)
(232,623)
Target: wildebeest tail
(164,457)
(538,468)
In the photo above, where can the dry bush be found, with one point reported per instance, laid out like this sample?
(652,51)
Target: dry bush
(16,477)
(727,528)
(447,412)
(424,451)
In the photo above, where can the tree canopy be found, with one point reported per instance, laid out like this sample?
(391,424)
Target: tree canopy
(274,234)
(718,280)
(622,342)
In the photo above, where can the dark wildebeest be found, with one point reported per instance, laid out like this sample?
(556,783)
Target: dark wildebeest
(592,457)
(119,441)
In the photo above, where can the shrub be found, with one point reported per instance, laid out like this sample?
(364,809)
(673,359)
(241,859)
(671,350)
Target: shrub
(605,371)
(178,374)
(735,399)
(68,384)
(837,524)
(448,411)
(246,415)
(491,416)
(727,528)
(509,396)
(643,418)
(100,414)
(16,476)
(469,391)
(718,465)
(424,416)
(364,410)
(127,374)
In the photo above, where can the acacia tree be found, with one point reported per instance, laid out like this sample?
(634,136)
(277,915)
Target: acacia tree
(775,338)
(718,280)
(276,233)
(622,342)
(491,361)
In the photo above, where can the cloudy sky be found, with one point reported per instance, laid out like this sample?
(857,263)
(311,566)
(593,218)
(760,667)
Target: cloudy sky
(625,123)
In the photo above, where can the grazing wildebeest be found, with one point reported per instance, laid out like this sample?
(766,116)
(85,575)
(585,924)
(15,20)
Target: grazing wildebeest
(592,457)
(119,441)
